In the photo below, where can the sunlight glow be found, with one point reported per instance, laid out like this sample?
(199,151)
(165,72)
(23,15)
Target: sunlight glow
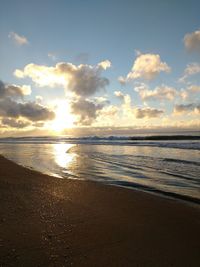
(64,119)
(51,79)
(62,155)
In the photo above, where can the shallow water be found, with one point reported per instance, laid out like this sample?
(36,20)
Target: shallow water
(169,167)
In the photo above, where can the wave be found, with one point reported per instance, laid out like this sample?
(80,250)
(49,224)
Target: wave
(103,138)
(181,161)
(166,141)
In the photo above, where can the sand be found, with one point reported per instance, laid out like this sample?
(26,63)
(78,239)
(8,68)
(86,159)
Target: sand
(46,221)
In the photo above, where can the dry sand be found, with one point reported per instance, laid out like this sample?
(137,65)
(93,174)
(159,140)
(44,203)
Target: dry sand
(46,221)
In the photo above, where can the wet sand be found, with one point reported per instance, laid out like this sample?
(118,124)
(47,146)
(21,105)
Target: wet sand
(45,221)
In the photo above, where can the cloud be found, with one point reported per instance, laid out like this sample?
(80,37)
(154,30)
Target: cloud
(183,108)
(191,69)
(148,112)
(197,110)
(192,41)
(14,123)
(26,89)
(119,94)
(41,75)
(107,116)
(39,99)
(139,113)
(160,93)
(19,74)
(122,80)
(35,112)
(105,64)
(86,110)
(163,92)
(190,92)
(194,88)
(124,97)
(101,100)
(14,91)
(187,108)
(13,112)
(82,80)
(146,66)
(29,110)
(18,39)
(108,111)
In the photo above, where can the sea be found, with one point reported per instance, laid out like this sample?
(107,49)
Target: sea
(168,165)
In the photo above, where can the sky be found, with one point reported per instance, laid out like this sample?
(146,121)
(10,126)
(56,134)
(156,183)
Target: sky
(98,66)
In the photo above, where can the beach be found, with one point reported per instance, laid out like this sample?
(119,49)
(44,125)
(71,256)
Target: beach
(48,221)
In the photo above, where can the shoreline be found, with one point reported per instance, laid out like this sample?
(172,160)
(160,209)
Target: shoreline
(48,221)
(188,200)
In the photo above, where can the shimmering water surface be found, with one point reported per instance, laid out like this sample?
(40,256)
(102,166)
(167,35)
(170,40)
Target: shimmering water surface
(166,166)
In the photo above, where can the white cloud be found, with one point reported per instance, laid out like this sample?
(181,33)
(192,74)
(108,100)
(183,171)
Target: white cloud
(146,66)
(41,75)
(101,100)
(190,92)
(26,89)
(197,110)
(82,80)
(105,64)
(192,41)
(18,39)
(194,88)
(108,111)
(191,69)
(125,98)
(179,122)
(160,93)
(139,113)
(107,116)
(19,74)
(167,93)
(119,94)
(122,80)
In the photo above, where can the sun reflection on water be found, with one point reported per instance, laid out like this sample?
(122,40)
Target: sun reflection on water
(62,155)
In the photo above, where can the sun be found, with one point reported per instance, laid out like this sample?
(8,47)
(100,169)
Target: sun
(64,119)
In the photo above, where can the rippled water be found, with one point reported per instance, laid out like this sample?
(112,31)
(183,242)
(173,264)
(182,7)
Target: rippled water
(164,166)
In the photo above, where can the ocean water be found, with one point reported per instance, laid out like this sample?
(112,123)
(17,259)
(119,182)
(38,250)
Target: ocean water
(168,165)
